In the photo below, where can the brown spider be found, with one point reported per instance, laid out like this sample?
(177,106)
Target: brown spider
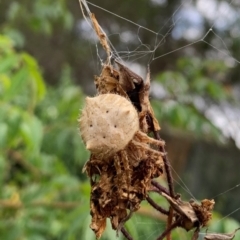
(114,126)
(124,160)
(122,154)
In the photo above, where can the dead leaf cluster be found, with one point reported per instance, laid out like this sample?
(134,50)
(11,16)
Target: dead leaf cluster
(122,180)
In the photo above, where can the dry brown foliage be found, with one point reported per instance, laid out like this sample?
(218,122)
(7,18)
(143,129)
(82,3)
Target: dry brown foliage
(125,174)
(121,171)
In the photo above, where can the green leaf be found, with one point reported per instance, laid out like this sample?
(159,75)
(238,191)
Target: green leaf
(8,63)
(3,134)
(32,133)
(35,77)
(17,83)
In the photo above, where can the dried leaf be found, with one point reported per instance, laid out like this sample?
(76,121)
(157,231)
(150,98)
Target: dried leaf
(185,210)
(203,211)
(101,35)
(192,214)
(146,108)
(108,82)
(127,78)
(221,236)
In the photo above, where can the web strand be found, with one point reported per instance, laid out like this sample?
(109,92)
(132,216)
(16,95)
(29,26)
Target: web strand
(140,54)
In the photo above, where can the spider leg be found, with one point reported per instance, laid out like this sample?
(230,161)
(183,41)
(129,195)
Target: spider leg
(156,206)
(147,149)
(145,138)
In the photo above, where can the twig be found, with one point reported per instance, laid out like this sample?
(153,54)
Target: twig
(120,226)
(165,159)
(159,187)
(157,207)
(169,222)
(196,234)
(168,230)
(167,166)
(126,234)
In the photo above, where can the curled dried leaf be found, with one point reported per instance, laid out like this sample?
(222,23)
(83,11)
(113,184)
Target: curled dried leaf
(203,211)
(108,82)
(193,215)
(185,210)
(146,108)
(221,236)
(127,78)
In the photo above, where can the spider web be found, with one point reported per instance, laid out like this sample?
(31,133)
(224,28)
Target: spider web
(221,16)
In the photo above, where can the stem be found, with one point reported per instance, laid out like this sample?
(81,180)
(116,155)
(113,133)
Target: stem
(126,234)
(168,230)
(167,166)
(195,235)
(157,207)
(160,187)
(169,222)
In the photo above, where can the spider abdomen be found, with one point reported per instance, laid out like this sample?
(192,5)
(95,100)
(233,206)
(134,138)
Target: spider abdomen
(108,123)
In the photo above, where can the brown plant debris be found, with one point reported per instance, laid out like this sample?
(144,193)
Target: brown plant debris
(123,160)
(114,126)
(191,213)
(101,35)
(221,236)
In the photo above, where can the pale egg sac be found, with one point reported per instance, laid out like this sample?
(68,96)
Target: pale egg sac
(107,124)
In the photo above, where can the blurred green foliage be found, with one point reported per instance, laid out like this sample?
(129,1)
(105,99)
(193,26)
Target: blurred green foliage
(40,199)
(189,90)
(38,17)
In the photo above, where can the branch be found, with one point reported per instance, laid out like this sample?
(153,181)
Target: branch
(168,230)
(157,207)
(167,166)
(126,234)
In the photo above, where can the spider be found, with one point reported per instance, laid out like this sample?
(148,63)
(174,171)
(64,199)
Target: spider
(109,123)
(123,157)
(114,127)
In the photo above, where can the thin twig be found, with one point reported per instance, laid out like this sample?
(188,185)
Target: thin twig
(169,222)
(120,226)
(157,207)
(126,234)
(165,159)
(159,187)
(168,230)
(167,166)
(196,234)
